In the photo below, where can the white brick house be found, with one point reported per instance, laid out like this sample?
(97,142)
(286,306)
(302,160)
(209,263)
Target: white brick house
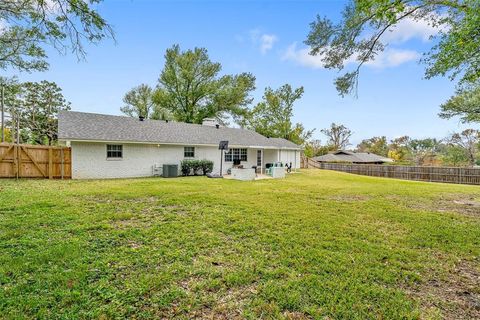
(106,146)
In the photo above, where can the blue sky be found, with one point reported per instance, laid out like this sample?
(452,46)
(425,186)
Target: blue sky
(266,39)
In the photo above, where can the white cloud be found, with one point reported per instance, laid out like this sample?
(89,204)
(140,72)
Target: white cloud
(264,41)
(393,58)
(409,28)
(386,59)
(302,57)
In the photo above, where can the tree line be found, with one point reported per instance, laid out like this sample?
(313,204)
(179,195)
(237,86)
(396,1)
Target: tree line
(458,149)
(190,89)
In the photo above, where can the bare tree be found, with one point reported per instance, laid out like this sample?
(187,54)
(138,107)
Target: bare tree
(338,136)
(468,140)
(423,149)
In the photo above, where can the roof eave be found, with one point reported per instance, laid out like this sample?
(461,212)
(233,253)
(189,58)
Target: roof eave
(64,139)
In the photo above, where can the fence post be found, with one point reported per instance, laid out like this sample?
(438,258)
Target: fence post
(14,163)
(50,162)
(19,161)
(62,168)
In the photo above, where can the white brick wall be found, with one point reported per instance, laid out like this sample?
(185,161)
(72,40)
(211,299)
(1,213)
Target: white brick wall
(89,159)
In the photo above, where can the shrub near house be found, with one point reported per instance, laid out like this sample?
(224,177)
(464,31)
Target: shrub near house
(194,166)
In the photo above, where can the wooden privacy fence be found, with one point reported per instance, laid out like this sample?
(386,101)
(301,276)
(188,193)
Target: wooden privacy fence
(32,161)
(431,174)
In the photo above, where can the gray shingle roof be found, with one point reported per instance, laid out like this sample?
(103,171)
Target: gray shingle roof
(100,127)
(354,157)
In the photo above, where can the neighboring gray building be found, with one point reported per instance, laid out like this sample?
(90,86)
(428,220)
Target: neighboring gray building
(353,157)
(106,146)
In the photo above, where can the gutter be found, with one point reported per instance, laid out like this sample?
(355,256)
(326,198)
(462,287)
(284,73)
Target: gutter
(67,141)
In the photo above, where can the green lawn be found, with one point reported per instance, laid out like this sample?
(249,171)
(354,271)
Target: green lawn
(319,244)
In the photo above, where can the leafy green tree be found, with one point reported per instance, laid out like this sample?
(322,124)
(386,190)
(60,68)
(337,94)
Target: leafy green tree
(399,149)
(273,116)
(191,89)
(376,145)
(314,148)
(30,25)
(465,104)
(7,135)
(358,37)
(11,88)
(454,156)
(338,136)
(421,149)
(139,102)
(39,104)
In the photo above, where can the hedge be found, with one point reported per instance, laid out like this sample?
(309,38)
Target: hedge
(193,166)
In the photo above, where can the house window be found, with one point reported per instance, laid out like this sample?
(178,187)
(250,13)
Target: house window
(228,156)
(114,151)
(243,154)
(236,154)
(189,152)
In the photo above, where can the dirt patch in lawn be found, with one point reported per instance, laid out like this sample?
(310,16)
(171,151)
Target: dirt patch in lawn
(141,218)
(463,204)
(350,198)
(110,199)
(140,204)
(218,303)
(146,215)
(457,296)
(467,206)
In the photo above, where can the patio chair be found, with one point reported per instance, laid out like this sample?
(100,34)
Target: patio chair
(268,171)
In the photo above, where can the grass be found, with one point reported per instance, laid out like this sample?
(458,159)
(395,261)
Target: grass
(319,244)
